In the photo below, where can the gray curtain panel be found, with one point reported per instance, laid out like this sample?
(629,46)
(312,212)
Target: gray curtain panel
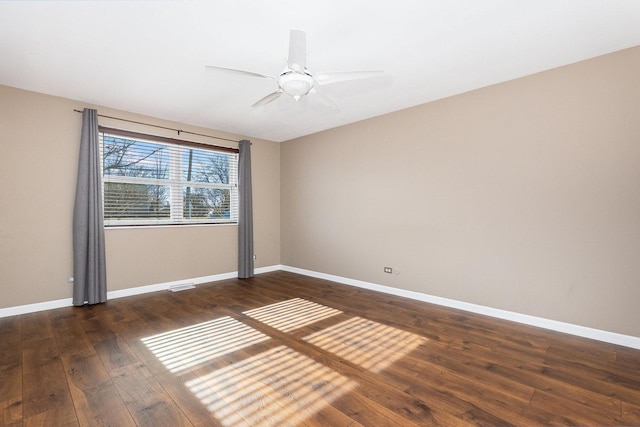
(89,264)
(245,214)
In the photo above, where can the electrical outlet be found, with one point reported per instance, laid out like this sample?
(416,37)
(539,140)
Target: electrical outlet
(388,270)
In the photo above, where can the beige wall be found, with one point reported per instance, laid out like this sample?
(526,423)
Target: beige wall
(39,135)
(523,196)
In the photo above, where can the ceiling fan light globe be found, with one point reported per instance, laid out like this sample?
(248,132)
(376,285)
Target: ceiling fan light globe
(296,84)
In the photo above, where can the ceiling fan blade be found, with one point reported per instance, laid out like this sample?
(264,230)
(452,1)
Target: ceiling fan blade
(237,72)
(297,50)
(341,76)
(324,99)
(267,99)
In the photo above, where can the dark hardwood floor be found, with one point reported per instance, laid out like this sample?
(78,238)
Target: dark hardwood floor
(289,350)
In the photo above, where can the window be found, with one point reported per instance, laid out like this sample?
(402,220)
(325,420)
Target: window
(150,180)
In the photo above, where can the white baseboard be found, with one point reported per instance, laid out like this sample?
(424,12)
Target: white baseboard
(32,308)
(554,325)
(166,285)
(67,302)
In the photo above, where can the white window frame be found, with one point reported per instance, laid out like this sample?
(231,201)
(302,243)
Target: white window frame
(175,183)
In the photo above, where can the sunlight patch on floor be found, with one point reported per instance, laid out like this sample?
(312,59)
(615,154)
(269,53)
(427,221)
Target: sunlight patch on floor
(369,344)
(193,345)
(277,387)
(292,314)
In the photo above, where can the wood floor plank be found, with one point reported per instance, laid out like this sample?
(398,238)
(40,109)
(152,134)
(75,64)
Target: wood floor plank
(630,414)
(598,365)
(59,416)
(583,380)
(500,403)
(571,412)
(472,367)
(36,326)
(69,334)
(95,396)
(10,393)
(148,403)
(45,387)
(115,353)
(507,375)
(10,370)
(146,356)
(175,386)
(10,345)
(627,359)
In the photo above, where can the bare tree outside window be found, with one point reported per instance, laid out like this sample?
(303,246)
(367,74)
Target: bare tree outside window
(203,201)
(128,158)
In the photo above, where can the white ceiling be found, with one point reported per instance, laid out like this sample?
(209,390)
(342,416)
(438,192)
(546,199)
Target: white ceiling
(149,57)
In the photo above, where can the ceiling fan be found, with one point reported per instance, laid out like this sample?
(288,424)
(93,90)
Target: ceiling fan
(296,80)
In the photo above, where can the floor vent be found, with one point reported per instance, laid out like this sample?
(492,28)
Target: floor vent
(183,287)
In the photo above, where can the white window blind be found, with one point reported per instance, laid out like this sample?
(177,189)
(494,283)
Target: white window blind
(156,181)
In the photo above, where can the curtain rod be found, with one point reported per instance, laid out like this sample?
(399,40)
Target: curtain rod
(162,127)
